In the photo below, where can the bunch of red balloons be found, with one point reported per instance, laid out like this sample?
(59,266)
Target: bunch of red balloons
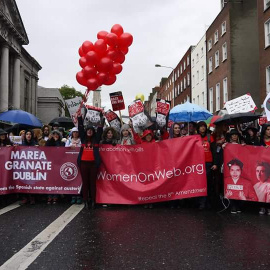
(103,60)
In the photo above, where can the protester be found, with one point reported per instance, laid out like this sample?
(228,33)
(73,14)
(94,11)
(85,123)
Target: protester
(22,134)
(4,140)
(126,137)
(29,139)
(251,136)
(89,160)
(45,132)
(74,139)
(190,128)
(38,137)
(109,136)
(235,137)
(55,126)
(175,131)
(265,135)
(55,140)
(210,164)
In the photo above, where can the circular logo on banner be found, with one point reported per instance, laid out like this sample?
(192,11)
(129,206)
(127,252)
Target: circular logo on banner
(268,104)
(68,171)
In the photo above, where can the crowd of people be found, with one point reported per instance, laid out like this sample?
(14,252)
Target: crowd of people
(88,138)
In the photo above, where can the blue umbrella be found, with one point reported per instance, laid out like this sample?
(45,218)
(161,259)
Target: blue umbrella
(188,112)
(20,117)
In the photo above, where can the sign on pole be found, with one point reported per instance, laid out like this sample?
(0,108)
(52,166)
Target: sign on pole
(117,101)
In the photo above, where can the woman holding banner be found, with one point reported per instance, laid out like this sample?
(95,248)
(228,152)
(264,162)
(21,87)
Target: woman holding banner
(89,160)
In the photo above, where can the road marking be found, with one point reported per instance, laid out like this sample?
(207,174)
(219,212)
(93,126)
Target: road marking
(22,259)
(9,208)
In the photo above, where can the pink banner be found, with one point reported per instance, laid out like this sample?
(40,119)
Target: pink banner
(247,173)
(45,170)
(154,172)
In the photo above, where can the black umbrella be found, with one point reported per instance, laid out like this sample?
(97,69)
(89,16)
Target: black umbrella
(63,121)
(238,118)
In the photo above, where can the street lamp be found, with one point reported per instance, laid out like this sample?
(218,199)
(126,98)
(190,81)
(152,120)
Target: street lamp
(157,65)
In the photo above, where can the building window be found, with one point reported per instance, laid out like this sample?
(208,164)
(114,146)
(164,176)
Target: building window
(209,44)
(202,69)
(225,90)
(211,107)
(188,60)
(193,101)
(193,81)
(267,79)
(178,89)
(188,79)
(216,37)
(185,83)
(192,62)
(216,59)
(181,69)
(223,28)
(202,53)
(197,58)
(198,100)
(181,86)
(266,4)
(224,52)
(184,65)
(267,33)
(198,77)
(210,65)
(188,98)
(203,99)
(217,96)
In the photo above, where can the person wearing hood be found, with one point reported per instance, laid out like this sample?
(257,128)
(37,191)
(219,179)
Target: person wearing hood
(4,140)
(210,163)
(251,136)
(265,135)
(126,137)
(89,160)
(109,136)
(74,139)
(29,139)
(56,139)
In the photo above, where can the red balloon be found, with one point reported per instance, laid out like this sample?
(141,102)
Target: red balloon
(124,50)
(105,64)
(83,62)
(101,77)
(87,46)
(112,39)
(89,72)
(100,46)
(92,84)
(102,35)
(92,58)
(117,29)
(119,58)
(110,80)
(125,40)
(80,78)
(117,68)
(111,54)
(81,53)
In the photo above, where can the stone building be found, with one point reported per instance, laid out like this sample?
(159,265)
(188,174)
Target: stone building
(18,69)
(264,47)
(233,54)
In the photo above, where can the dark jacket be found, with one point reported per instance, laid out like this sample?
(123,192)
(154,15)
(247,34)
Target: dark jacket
(113,141)
(32,142)
(96,137)
(53,142)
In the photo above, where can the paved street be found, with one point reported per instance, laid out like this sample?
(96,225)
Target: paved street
(131,237)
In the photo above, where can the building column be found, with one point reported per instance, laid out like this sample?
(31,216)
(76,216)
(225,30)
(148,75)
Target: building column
(33,95)
(16,83)
(4,78)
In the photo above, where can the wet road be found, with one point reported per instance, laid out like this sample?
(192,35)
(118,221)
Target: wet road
(123,237)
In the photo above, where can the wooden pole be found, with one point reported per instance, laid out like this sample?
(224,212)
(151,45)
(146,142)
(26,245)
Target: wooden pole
(121,117)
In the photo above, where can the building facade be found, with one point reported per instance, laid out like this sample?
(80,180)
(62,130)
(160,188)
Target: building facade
(264,47)
(198,74)
(18,69)
(233,54)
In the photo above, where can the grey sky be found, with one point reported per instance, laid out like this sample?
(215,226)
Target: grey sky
(162,32)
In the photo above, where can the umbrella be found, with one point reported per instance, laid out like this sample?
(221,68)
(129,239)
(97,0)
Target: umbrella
(210,121)
(63,121)
(20,117)
(239,118)
(188,112)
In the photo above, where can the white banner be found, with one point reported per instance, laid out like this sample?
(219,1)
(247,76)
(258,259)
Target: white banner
(241,104)
(73,105)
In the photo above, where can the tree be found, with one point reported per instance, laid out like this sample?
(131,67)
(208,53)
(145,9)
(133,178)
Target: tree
(68,92)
